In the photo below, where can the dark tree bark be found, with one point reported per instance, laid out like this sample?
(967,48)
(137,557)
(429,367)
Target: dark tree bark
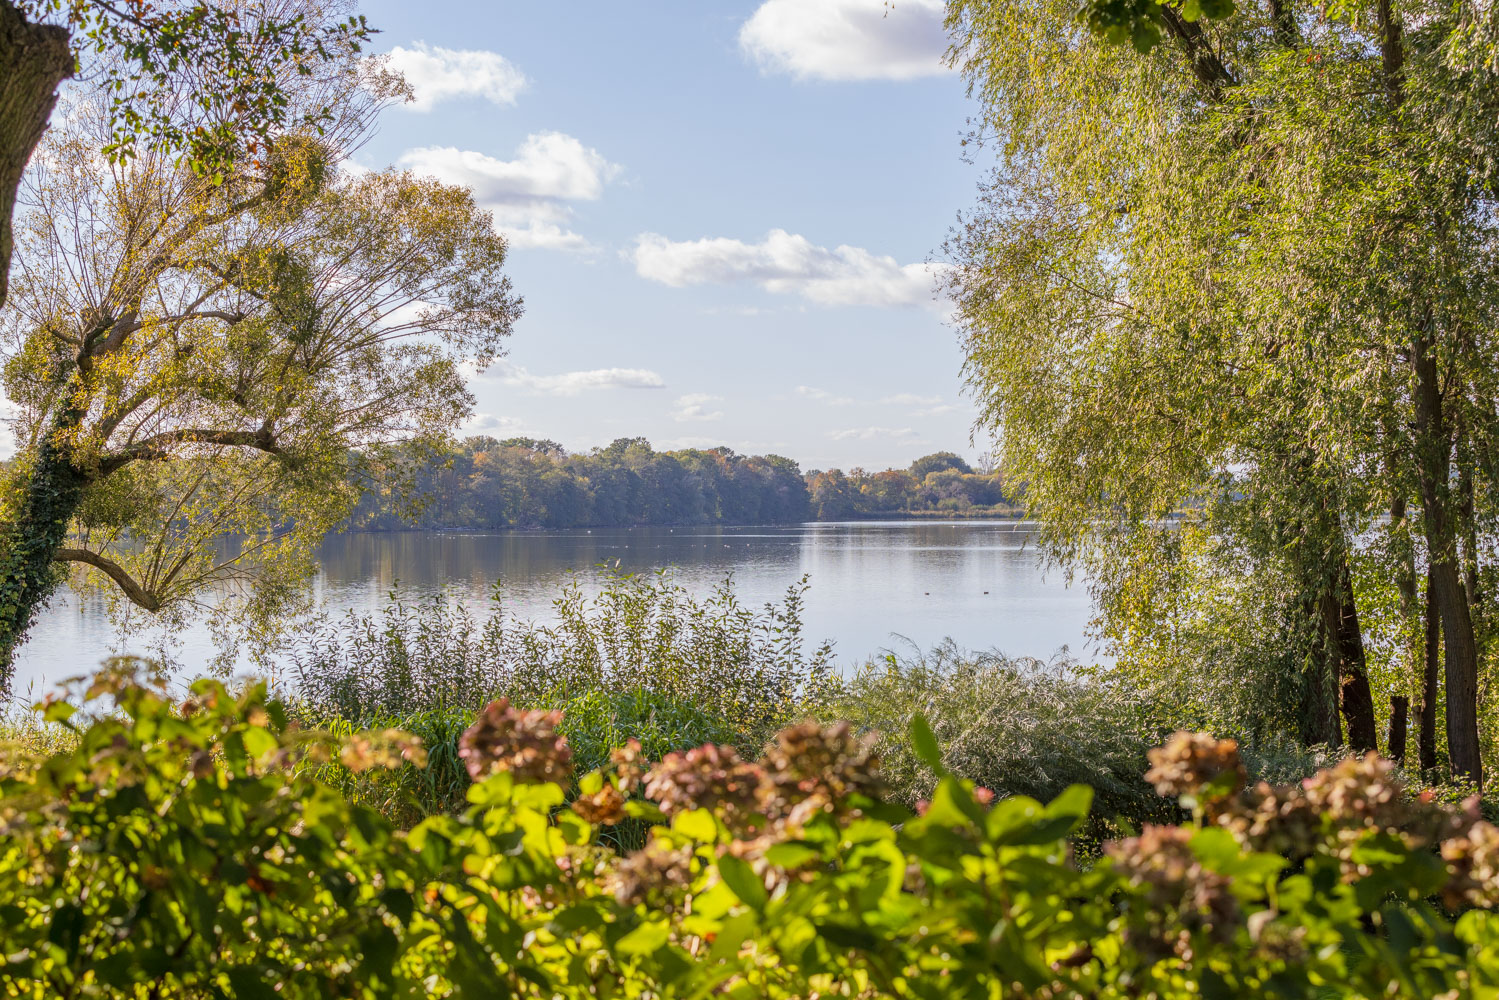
(1319,697)
(1425,712)
(1418,644)
(1399,709)
(34,60)
(1434,441)
(1354,697)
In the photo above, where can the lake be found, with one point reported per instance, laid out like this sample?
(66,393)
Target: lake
(874,584)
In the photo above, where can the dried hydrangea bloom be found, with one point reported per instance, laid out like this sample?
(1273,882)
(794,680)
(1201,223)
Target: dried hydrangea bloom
(1189,762)
(524,743)
(819,765)
(604,807)
(1337,809)
(655,874)
(707,777)
(1274,820)
(389,749)
(629,765)
(1473,867)
(1181,898)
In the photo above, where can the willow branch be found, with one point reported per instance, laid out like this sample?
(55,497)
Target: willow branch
(137,594)
(160,447)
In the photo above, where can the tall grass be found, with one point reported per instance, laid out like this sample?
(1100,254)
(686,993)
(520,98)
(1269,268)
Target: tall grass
(644,658)
(1017,726)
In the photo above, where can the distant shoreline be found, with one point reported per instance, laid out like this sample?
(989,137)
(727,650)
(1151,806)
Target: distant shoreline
(985,514)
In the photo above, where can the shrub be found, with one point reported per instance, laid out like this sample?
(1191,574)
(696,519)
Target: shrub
(594,723)
(1014,726)
(747,667)
(644,659)
(181,851)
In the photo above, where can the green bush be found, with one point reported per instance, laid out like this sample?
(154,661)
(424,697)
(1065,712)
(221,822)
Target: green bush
(1013,726)
(187,851)
(747,667)
(644,659)
(594,723)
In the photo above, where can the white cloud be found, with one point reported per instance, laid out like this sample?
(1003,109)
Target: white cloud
(530,194)
(822,396)
(911,399)
(695,407)
(572,383)
(787,264)
(871,433)
(925,406)
(489,423)
(848,39)
(437,74)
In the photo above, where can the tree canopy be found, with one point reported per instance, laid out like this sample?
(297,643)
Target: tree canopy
(1228,305)
(200,81)
(198,358)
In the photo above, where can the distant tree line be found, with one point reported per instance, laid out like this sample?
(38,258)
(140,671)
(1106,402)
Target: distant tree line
(482,482)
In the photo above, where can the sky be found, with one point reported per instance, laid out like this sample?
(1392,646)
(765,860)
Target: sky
(722,215)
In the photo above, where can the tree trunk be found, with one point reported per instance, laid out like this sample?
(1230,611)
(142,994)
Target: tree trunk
(1354,696)
(34,60)
(29,542)
(1319,697)
(1399,710)
(1434,465)
(1416,644)
(1425,721)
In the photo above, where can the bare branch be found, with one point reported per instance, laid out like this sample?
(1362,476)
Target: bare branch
(137,594)
(159,447)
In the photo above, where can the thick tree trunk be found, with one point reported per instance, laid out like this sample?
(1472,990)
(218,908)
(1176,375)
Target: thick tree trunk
(1319,695)
(1354,697)
(29,543)
(1399,712)
(1434,464)
(34,60)
(1425,712)
(1416,644)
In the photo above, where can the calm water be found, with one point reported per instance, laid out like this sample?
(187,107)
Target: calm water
(874,584)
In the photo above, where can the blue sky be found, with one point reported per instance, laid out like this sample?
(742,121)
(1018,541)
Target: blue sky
(721,214)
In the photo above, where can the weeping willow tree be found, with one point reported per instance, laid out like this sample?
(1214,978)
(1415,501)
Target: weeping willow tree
(1228,301)
(201,365)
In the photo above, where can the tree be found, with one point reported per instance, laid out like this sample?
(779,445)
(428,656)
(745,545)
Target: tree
(196,359)
(1246,280)
(937,462)
(230,59)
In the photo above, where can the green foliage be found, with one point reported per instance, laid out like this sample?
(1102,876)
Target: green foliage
(188,851)
(643,659)
(747,666)
(595,723)
(940,461)
(197,398)
(1213,300)
(233,60)
(1013,726)
(523,482)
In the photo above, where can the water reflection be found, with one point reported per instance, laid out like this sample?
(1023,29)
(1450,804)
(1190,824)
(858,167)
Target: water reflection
(872,582)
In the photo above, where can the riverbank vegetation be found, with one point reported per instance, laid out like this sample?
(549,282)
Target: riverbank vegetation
(1245,270)
(1227,303)
(486,484)
(222,865)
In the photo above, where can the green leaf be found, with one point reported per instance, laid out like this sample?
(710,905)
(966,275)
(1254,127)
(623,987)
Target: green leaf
(791,854)
(248,984)
(924,742)
(696,824)
(739,876)
(644,939)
